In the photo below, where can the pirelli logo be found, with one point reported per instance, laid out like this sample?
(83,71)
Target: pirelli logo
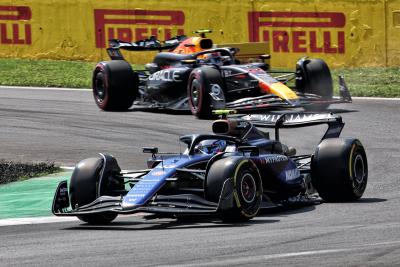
(299,32)
(136,24)
(15,27)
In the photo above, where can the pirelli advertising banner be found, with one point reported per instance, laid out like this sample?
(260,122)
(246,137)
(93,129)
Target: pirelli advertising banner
(343,32)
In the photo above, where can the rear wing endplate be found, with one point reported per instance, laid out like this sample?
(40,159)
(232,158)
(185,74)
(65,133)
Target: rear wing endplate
(298,120)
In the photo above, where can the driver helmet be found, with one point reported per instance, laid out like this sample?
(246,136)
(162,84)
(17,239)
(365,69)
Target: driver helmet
(211,146)
(214,58)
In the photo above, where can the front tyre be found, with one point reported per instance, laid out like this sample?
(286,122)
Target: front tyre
(314,77)
(247,187)
(202,82)
(83,190)
(115,85)
(339,169)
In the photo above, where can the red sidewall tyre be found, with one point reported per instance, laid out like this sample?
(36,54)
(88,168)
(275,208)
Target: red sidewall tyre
(199,85)
(115,85)
(196,108)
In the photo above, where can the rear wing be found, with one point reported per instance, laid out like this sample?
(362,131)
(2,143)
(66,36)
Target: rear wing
(151,44)
(297,120)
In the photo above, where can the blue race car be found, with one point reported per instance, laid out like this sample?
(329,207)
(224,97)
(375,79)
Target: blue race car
(231,173)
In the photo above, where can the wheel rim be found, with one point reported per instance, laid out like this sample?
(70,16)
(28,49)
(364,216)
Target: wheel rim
(99,88)
(359,169)
(248,188)
(195,93)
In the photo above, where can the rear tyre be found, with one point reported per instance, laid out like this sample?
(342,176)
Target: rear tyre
(247,187)
(202,82)
(115,85)
(315,78)
(339,169)
(83,190)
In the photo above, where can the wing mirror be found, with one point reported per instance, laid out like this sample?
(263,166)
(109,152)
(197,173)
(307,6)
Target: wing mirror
(151,150)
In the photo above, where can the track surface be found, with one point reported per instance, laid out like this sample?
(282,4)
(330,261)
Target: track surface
(66,126)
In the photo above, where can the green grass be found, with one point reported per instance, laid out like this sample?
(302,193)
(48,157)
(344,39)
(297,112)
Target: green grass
(383,82)
(47,73)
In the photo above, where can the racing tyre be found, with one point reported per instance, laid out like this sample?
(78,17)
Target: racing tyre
(202,82)
(83,190)
(315,78)
(115,85)
(339,169)
(247,187)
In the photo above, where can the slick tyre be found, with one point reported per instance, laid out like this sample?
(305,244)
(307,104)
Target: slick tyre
(339,169)
(247,192)
(83,190)
(202,82)
(315,78)
(115,85)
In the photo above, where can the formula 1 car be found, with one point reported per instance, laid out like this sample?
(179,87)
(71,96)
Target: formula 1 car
(231,173)
(194,75)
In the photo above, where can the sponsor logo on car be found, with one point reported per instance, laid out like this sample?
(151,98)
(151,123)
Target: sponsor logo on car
(158,173)
(299,32)
(275,159)
(292,174)
(63,191)
(227,72)
(215,89)
(166,166)
(166,76)
(137,24)
(15,27)
(134,198)
(289,118)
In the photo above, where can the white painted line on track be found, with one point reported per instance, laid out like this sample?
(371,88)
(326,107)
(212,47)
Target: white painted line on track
(260,259)
(375,98)
(35,220)
(53,219)
(67,168)
(87,89)
(44,88)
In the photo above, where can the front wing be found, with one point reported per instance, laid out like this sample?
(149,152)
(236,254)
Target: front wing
(183,204)
(272,101)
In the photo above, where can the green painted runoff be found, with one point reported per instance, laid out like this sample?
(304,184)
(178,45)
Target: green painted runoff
(29,198)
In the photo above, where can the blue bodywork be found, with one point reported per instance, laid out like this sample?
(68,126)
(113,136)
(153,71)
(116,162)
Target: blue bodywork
(280,171)
(178,183)
(156,178)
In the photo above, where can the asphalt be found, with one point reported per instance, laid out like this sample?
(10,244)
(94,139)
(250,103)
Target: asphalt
(66,126)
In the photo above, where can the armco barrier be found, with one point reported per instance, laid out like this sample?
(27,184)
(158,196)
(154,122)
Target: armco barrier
(343,32)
